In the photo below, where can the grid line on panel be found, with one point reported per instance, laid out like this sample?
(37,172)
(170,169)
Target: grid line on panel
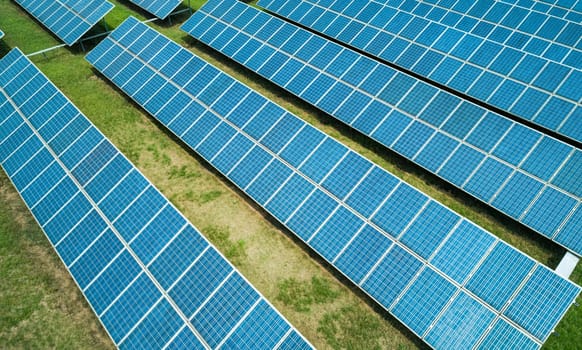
(194,261)
(138,322)
(87,248)
(245,316)
(121,293)
(213,292)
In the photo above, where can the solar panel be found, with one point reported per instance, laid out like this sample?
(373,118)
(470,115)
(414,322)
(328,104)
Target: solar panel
(533,27)
(151,278)
(1,34)
(360,218)
(517,170)
(159,8)
(531,87)
(569,10)
(67,19)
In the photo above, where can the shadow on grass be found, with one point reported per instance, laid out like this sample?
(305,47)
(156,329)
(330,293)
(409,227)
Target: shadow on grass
(4,48)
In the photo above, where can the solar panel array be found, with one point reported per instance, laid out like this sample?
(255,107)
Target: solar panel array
(531,30)
(526,85)
(151,278)
(568,9)
(159,8)
(450,282)
(525,174)
(67,19)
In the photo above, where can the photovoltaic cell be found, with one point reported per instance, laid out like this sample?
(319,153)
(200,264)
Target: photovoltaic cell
(69,20)
(159,8)
(487,155)
(503,335)
(333,220)
(129,250)
(519,60)
(419,306)
(461,325)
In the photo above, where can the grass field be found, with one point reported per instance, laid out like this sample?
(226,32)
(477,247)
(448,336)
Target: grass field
(40,306)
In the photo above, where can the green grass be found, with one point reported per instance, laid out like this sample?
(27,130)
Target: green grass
(183,172)
(331,313)
(350,328)
(301,295)
(209,196)
(233,250)
(40,306)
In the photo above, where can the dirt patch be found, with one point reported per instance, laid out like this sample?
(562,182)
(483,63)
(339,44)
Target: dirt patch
(13,203)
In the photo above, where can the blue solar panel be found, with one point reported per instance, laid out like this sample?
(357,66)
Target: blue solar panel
(1,34)
(455,330)
(531,297)
(362,253)
(159,8)
(476,150)
(391,275)
(434,218)
(301,183)
(516,267)
(504,335)
(420,306)
(335,234)
(151,278)
(69,20)
(520,60)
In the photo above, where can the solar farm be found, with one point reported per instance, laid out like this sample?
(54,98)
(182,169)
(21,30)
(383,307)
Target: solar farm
(291,174)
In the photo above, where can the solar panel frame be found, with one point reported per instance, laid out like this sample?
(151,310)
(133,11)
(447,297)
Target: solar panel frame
(450,146)
(207,123)
(159,8)
(69,20)
(73,217)
(540,95)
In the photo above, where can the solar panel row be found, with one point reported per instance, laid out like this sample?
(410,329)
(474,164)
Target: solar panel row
(552,8)
(525,85)
(510,25)
(67,19)
(561,8)
(152,279)
(523,173)
(159,8)
(368,224)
